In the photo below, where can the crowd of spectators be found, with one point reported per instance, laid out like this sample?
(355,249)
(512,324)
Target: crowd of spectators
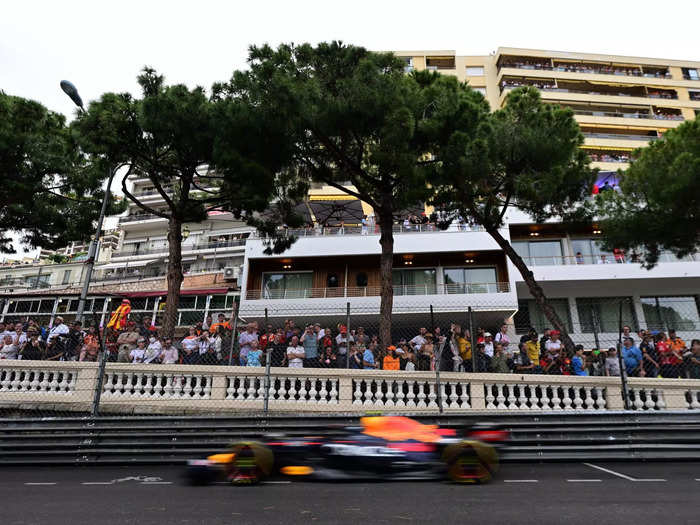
(644,354)
(611,156)
(539,84)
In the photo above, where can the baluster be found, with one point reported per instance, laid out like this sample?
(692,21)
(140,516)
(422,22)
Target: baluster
(169,387)
(357,394)
(489,397)
(53,385)
(600,401)
(446,398)
(207,387)
(432,395)
(390,386)
(323,393)
(5,380)
(556,401)
(512,399)
(292,389)
(411,395)
(660,402)
(72,379)
(312,391)
(282,391)
(638,403)
(305,385)
(694,402)
(464,396)
(578,402)
(650,404)
(500,398)
(400,394)
(545,399)
(369,394)
(533,400)
(24,384)
(333,394)
(421,396)
(240,391)
(566,398)
(34,383)
(260,394)
(522,398)
(589,401)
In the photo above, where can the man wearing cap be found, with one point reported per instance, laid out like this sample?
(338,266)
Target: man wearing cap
(488,344)
(341,342)
(309,340)
(126,342)
(391,359)
(55,344)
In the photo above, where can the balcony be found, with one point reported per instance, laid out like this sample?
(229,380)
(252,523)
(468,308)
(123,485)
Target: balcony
(24,283)
(440,62)
(637,115)
(619,136)
(561,260)
(586,68)
(140,217)
(223,245)
(374,230)
(375,291)
(549,85)
(609,156)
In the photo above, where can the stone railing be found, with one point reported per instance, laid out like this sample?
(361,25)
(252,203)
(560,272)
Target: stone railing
(206,389)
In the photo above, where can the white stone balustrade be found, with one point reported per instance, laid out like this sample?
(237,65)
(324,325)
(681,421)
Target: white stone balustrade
(164,389)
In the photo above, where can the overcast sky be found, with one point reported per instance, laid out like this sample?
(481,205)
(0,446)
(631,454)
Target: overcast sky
(101,45)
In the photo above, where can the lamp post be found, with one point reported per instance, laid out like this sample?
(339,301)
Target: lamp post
(70,90)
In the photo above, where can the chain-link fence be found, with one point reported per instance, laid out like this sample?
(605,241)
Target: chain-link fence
(327,352)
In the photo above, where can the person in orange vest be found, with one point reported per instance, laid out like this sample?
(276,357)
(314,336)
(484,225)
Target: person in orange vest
(221,322)
(391,359)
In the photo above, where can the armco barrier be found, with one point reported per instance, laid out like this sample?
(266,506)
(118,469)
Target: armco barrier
(179,389)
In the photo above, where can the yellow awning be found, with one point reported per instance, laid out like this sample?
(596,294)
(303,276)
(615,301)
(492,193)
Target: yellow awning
(343,197)
(606,148)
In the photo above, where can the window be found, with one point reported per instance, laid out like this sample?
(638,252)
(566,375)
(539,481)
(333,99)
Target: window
(481,90)
(602,314)
(530,315)
(539,253)
(361,280)
(591,251)
(66,277)
(475,71)
(332,281)
(663,313)
(471,280)
(414,282)
(287,285)
(691,74)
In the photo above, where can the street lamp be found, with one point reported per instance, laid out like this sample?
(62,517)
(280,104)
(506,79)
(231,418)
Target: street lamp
(72,92)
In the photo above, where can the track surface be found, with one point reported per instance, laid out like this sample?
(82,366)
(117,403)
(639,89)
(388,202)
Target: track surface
(600,493)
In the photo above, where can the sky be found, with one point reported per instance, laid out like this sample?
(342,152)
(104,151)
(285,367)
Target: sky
(102,45)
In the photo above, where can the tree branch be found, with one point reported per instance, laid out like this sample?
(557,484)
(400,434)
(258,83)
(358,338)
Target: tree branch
(138,202)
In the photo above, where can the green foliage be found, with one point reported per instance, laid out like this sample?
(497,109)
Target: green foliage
(658,207)
(50,192)
(525,153)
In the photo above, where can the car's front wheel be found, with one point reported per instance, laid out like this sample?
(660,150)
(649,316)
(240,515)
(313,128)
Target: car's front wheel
(470,462)
(251,463)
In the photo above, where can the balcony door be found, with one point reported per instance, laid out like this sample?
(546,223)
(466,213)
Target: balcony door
(471,280)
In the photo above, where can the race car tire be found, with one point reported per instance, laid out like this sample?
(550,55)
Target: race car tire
(252,462)
(470,462)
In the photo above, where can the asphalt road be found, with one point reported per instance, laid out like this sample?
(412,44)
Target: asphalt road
(599,493)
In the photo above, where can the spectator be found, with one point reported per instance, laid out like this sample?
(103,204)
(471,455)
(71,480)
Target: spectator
(220,322)
(342,340)
(74,341)
(361,337)
(9,349)
(368,358)
(190,344)
(244,341)
(426,354)
(19,337)
(169,354)
(410,360)
(670,359)
(483,360)
(126,342)
(267,337)
(278,352)
(309,340)
(544,339)
(217,342)
(295,353)
(329,358)
(208,321)
(147,328)
(502,337)
(521,361)
(355,357)
(612,363)
(153,351)
(650,355)
(577,362)
(460,349)
(488,344)
(391,359)
(204,342)
(579,258)
(90,348)
(4,330)
(499,362)
(532,348)
(55,341)
(208,357)
(694,360)
(34,348)
(254,357)
(138,354)
(627,333)
(418,341)
(632,357)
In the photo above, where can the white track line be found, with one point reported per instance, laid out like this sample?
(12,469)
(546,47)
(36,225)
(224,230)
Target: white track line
(97,483)
(620,475)
(583,480)
(156,483)
(276,482)
(520,481)
(41,483)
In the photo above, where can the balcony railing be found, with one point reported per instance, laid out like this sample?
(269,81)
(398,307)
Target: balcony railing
(185,248)
(633,72)
(375,291)
(140,217)
(374,230)
(562,260)
(553,89)
(628,115)
(620,136)
(21,282)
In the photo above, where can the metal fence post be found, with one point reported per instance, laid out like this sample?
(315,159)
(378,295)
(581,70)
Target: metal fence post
(596,328)
(268,355)
(623,369)
(471,339)
(438,360)
(347,336)
(101,368)
(233,329)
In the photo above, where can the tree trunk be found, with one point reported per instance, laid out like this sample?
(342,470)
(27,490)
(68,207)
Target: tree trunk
(386,265)
(535,289)
(175,277)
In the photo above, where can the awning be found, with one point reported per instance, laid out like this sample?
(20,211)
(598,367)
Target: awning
(333,211)
(326,197)
(219,256)
(603,148)
(130,264)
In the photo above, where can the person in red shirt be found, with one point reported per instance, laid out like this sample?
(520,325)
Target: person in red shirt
(266,338)
(670,359)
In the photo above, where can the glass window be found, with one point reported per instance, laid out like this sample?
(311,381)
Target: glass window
(287,285)
(530,315)
(471,280)
(603,313)
(539,253)
(217,302)
(66,277)
(663,313)
(475,71)
(591,251)
(187,301)
(414,282)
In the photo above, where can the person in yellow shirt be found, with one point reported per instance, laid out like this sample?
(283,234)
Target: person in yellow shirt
(462,345)
(532,347)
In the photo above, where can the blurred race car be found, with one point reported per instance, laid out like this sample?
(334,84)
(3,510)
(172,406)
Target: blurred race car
(383,447)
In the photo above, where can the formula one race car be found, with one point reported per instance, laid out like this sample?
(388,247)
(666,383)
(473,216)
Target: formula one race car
(383,447)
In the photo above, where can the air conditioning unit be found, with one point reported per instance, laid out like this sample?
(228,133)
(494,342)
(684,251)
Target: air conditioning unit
(231,273)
